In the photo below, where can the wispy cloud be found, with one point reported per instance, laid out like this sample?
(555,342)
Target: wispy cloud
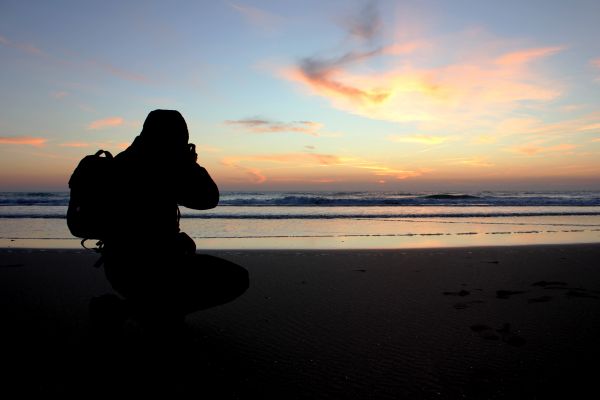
(75,144)
(261,125)
(257,17)
(23,140)
(525,56)
(201,148)
(298,161)
(106,123)
(107,145)
(406,93)
(596,63)
(419,139)
(590,127)
(535,149)
(60,95)
(365,24)
(479,162)
(119,72)
(398,174)
(25,47)
(394,80)
(77,61)
(529,127)
(287,158)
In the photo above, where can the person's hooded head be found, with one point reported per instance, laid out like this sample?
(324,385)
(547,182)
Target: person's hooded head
(165,131)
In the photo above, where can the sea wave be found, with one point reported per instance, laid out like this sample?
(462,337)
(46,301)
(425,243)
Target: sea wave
(354,199)
(399,215)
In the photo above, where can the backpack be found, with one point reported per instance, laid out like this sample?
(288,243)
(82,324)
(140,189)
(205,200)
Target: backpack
(89,211)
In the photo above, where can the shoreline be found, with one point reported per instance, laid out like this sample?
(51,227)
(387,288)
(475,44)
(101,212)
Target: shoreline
(496,322)
(79,249)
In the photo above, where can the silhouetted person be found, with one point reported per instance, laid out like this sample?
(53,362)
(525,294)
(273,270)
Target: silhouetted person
(147,259)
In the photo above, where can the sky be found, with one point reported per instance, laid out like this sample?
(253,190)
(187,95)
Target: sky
(310,95)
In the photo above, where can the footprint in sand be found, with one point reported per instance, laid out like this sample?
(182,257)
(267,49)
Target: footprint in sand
(505,294)
(570,292)
(504,333)
(467,304)
(485,332)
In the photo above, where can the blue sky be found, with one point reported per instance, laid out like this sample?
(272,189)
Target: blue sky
(390,95)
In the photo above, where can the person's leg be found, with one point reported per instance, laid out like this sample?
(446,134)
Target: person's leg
(181,284)
(208,281)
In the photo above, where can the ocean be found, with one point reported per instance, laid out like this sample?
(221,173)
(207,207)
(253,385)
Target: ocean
(331,220)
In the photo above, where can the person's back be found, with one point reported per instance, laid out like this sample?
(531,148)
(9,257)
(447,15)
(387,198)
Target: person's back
(153,176)
(146,257)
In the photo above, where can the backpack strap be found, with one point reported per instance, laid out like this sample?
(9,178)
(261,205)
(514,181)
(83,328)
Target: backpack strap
(98,249)
(106,153)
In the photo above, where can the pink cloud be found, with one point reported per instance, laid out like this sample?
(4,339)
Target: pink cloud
(288,158)
(261,125)
(106,123)
(119,72)
(256,16)
(407,80)
(23,140)
(525,56)
(445,94)
(25,47)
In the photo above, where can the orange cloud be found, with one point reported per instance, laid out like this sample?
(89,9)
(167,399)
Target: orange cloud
(98,145)
(260,125)
(23,140)
(399,174)
(404,87)
(289,158)
(479,162)
(255,175)
(532,149)
(525,56)
(325,76)
(75,144)
(312,160)
(106,123)
(455,92)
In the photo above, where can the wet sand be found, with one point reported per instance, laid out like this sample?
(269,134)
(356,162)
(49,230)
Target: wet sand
(489,322)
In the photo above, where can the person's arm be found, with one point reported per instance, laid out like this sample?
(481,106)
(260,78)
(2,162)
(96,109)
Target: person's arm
(196,189)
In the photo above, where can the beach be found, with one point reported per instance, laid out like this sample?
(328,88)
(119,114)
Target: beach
(498,322)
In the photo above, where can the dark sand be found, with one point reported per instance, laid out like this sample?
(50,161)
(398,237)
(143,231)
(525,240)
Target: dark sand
(476,323)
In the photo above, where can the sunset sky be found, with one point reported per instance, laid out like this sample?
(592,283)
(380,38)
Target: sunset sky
(310,95)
